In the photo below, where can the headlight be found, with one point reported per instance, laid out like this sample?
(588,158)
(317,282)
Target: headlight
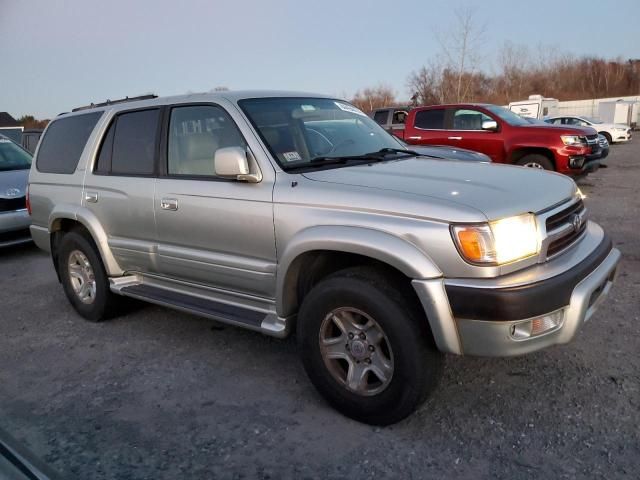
(573,140)
(620,129)
(499,242)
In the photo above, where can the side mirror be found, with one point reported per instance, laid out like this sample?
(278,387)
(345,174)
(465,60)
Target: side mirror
(232,162)
(490,125)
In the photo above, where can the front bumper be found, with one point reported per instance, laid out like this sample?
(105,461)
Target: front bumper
(14,227)
(482,318)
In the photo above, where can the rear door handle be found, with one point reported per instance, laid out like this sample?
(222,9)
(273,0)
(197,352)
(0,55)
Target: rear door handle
(454,138)
(169,204)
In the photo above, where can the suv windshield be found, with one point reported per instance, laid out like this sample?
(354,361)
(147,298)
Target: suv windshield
(314,132)
(13,157)
(507,115)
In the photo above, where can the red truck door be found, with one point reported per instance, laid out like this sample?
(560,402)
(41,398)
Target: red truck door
(466,132)
(426,127)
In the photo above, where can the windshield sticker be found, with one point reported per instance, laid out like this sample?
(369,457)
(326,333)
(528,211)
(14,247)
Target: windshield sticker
(350,108)
(307,108)
(292,156)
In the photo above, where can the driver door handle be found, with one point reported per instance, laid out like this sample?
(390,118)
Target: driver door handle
(169,204)
(454,138)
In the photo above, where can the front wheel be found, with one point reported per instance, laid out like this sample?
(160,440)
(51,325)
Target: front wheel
(536,161)
(366,347)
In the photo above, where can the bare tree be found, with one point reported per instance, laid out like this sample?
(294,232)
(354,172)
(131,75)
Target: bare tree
(461,48)
(371,98)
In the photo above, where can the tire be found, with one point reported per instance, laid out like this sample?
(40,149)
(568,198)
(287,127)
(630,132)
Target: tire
(77,247)
(535,160)
(607,135)
(365,294)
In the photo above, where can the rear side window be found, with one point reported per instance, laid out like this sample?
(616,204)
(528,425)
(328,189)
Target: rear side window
(380,117)
(430,119)
(134,143)
(64,142)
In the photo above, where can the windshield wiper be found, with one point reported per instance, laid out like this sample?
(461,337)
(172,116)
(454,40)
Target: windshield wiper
(378,156)
(371,156)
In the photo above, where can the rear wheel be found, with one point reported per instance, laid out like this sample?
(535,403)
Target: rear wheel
(84,278)
(366,347)
(535,160)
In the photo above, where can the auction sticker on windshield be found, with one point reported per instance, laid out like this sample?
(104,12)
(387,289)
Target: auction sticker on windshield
(350,108)
(291,156)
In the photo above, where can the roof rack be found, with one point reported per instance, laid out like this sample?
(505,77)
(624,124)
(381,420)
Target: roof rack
(112,102)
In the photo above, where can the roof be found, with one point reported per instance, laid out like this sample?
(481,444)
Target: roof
(455,105)
(7,120)
(232,96)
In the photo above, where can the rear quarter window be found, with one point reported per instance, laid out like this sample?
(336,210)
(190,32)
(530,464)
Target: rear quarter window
(430,119)
(64,142)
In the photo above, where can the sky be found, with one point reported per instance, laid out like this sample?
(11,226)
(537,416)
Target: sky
(56,55)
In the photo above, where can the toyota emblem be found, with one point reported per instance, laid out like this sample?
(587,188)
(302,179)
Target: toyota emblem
(12,192)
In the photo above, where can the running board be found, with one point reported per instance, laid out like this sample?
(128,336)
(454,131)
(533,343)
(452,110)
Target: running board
(267,323)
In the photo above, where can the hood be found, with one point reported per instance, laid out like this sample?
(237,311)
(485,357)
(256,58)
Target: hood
(561,129)
(496,190)
(13,183)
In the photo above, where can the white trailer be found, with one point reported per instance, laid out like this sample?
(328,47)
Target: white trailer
(621,111)
(536,106)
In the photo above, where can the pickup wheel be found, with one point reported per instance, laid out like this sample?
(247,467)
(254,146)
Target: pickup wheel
(535,160)
(84,278)
(366,347)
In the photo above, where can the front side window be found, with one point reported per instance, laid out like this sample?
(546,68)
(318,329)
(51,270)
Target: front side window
(464,119)
(305,132)
(134,143)
(507,115)
(430,119)
(64,142)
(195,133)
(12,157)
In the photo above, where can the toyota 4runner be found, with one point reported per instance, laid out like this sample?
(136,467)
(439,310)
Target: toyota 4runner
(274,211)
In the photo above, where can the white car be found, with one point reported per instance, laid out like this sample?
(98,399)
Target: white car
(613,132)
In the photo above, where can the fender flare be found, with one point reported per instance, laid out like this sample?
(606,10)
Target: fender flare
(88,219)
(385,247)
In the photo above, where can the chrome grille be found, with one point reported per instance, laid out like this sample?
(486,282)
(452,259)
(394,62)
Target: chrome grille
(565,228)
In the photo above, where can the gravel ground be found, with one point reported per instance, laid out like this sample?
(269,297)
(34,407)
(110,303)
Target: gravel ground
(160,394)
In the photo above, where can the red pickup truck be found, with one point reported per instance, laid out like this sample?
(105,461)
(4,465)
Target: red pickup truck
(502,135)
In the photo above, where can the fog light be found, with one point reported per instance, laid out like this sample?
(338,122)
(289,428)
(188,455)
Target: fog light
(537,326)
(576,162)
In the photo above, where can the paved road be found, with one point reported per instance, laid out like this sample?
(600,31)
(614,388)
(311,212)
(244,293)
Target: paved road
(160,394)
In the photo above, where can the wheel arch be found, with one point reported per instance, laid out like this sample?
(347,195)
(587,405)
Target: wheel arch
(521,152)
(324,249)
(67,217)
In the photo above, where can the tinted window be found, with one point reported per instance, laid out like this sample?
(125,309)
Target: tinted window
(381,116)
(469,119)
(195,133)
(64,142)
(134,143)
(430,119)
(103,165)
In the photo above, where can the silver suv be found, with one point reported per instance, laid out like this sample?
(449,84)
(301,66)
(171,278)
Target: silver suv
(274,211)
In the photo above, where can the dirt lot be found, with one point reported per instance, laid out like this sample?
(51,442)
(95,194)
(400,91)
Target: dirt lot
(161,394)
